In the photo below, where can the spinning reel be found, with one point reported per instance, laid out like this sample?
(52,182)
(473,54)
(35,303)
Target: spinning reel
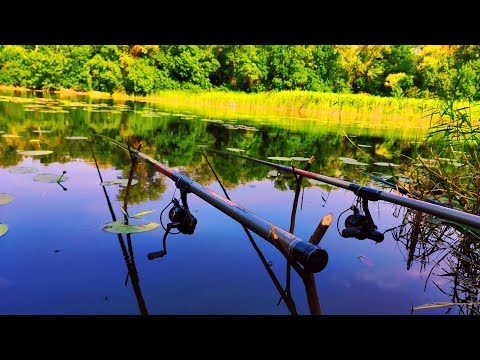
(361,226)
(180,218)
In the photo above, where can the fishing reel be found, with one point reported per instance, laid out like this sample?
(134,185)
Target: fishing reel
(180,218)
(361,226)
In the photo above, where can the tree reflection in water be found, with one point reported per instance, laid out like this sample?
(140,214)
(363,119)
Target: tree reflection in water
(446,252)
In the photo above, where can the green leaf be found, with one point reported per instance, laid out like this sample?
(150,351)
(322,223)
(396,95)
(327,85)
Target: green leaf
(235,149)
(299,158)
(119,227)
(22,170)
(10,136)
(143,213)
(121,182)
(273,173)
(50,178)
(6,198)
(3,229)
(124,182)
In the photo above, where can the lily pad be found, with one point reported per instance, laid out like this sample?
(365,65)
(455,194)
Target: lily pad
(6,198)
(10,136)
(386,164)
(315,182)
(76,137)
(235,149)
(121,182)
(279,158)
(35,152)
(41,131)
(50,178)
(119,227)
(299,158)
(351,161)
(3,229)
(23,170)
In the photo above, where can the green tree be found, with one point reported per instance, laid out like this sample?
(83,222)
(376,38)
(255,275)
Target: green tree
(13,67)
(46,66)
(104,75)
(75,74)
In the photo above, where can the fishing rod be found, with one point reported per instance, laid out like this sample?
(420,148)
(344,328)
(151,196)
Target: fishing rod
(372,194)
(311,256)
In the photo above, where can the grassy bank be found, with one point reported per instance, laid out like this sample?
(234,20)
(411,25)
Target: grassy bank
(369,109)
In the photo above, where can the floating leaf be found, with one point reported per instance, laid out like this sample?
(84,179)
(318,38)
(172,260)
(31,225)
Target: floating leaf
(35,152)
(279,158)
(386,164)
(76,137)
(41,131)
(143,213)
(364,146)
(6,198)
(3,229)
(273,173)
(22,170)
(350,161)
(202,146)
(119,227)
(121,182)
(235,149)
(50,178)
(315,182)
(10,136)
(35,140)
(124,182)
(299,158)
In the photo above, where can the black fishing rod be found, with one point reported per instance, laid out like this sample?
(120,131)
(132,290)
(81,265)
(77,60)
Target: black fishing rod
(368,193)
(312,257)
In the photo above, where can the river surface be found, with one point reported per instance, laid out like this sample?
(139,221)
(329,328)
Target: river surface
(56,257)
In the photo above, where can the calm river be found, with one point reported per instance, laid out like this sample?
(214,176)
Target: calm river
(56,258)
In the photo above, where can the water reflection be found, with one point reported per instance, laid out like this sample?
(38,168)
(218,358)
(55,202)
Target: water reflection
(177,139)
(128,254)
(449,257)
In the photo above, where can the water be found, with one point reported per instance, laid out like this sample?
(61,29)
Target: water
(55,257)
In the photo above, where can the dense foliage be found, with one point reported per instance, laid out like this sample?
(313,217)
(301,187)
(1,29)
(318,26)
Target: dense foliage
(382,70)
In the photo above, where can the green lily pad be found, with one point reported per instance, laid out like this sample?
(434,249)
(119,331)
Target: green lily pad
(6,198)
(76,137)
(121,182)
(23,170)
(10,136)
(315,182)
(299,158)
(235,149)
(41,131)
(3,229)
(35,152)
(279,158)
(351,161)
(273,173)
(119,227)
(386,164)
(364,146)
(50,178)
